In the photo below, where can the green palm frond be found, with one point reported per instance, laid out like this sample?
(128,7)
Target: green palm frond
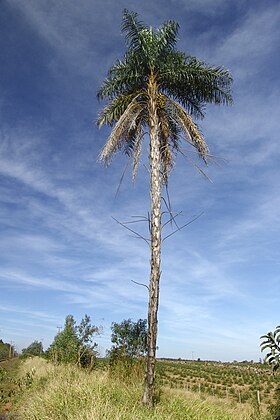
(193,84)
(132,27)
(167,36)
(210,84)
(122,80)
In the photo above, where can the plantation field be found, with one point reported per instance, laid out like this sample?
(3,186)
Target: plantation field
(250,382)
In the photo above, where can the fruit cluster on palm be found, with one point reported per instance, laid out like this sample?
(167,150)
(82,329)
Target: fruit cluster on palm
(157,88)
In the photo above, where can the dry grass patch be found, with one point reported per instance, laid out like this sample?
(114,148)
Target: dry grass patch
(69,393)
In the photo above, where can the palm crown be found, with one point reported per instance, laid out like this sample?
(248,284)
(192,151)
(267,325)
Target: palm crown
(183,86)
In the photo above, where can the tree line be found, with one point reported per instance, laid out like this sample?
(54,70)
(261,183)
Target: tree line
(76,344)
(7,350)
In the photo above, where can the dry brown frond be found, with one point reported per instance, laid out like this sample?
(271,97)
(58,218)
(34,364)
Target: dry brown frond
(125,124)
(116,108)
(196,166)
(137,149)
(166,155)
(192,133)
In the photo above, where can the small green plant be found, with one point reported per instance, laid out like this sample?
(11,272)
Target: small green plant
(3,374)
(26,380)
(272,342)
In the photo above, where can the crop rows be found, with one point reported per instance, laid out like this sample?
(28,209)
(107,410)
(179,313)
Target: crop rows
(239,382)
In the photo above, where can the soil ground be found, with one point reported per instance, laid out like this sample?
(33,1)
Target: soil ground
(8,386)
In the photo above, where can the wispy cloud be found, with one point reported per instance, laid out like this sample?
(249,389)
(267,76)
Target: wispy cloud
(38,315)
(254,40)
(59,240)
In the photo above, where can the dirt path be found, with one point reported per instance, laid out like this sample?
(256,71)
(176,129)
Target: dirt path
(8,387)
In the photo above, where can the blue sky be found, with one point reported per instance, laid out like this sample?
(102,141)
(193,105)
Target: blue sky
(60,250)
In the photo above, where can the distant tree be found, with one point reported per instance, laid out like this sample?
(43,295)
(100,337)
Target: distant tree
(87,348)
(129,338)
(74,344)
(4,350)
(34,349)
(272,342)
(65,346)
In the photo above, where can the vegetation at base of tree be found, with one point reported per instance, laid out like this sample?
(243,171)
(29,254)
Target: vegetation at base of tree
(158,89)
(126,356)
(272,342)
(74,344)
(34,349)
(275,406)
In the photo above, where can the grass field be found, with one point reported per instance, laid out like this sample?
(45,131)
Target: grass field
(49,392)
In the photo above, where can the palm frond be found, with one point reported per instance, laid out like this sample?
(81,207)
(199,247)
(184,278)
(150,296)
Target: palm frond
(193,83)
(165,152)
(133,28)
(125,77)
(210,84)
(189,128)
(116,108)
(137,149)
(120,132)
(167,35)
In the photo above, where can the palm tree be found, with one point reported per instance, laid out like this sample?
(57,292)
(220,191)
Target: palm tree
(159,88)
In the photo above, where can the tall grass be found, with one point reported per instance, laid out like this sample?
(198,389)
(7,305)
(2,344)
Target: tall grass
(69,393)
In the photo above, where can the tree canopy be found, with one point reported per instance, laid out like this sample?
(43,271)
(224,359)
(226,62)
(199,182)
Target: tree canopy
(129,338)
(4,350)
(34,349)
(184,85)
(74,344)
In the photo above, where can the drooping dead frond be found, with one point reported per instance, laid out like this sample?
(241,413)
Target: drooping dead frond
(119,134)
(121,179)
(112,112)
(190,129)
(137,149)
(165,153)
(196,166)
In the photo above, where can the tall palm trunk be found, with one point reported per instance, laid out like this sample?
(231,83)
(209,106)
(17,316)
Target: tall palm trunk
(155,194)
